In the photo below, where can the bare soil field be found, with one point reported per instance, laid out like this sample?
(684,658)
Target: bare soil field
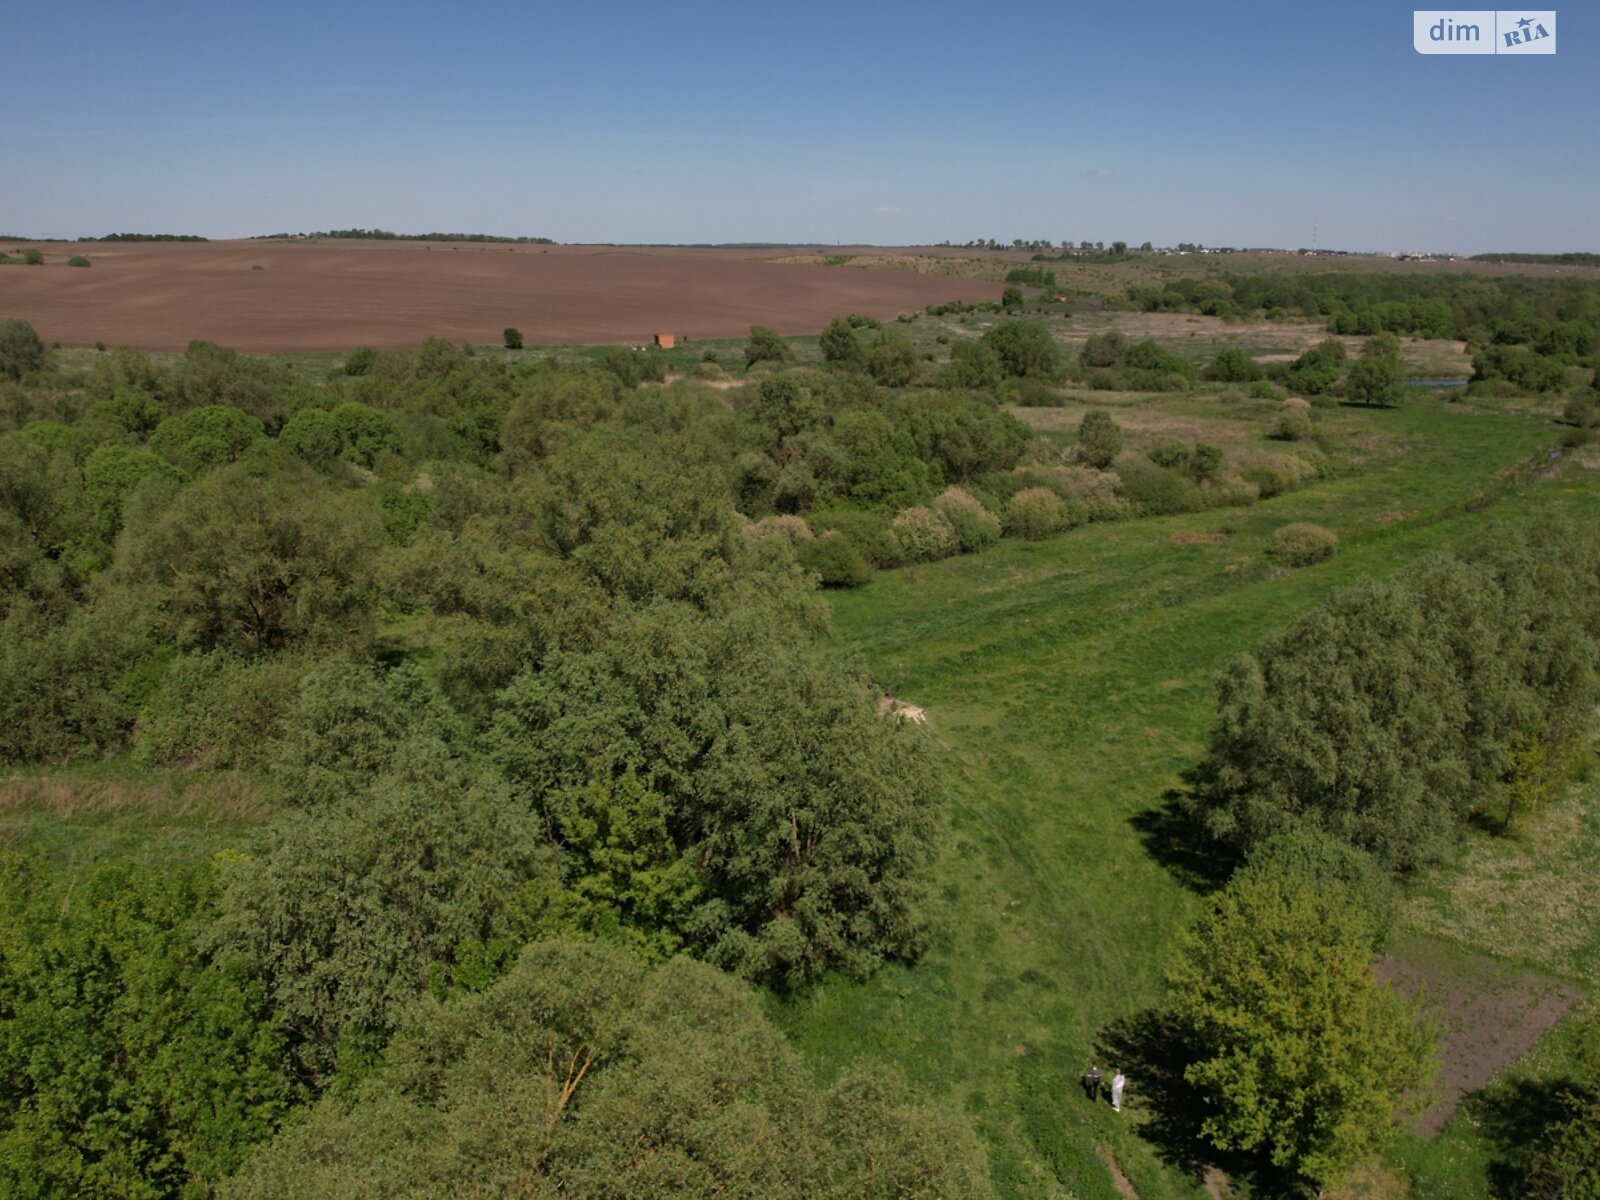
(1489,1014)
(304,294)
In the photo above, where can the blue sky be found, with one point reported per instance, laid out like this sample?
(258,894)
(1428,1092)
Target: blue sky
(887,122)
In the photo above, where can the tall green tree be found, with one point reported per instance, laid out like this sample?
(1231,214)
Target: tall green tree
(1302,1055)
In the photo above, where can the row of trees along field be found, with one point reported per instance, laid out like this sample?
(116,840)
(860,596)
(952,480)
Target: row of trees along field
(531,665)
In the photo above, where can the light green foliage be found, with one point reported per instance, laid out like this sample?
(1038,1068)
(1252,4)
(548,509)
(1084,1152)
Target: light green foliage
(206,437)
(550,409)
(976,528)
(1302,544)
(1327,864)
(882,467)
(809,816)
(254,557)
(132,1066)
(584,1075)
(1099,438)
(1024,350)
(21,350)
(766,346)
(427,876)
(924,535)
(1035,513)
(1301,1053)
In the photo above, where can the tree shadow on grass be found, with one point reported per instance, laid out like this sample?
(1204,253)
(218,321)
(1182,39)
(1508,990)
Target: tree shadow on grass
(1516,1119)
(1175,836)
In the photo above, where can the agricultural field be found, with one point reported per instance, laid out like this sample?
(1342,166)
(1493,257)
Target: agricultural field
(784,763)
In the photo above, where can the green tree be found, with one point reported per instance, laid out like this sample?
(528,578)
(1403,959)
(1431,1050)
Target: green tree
(513,338)
(1233,365)
(891,360)
(21,350)
(766,346)
(1119,247)
(1025,350)
(839,343)
(1301,1054)
(1378,382)
(1099,438)
(1011,298)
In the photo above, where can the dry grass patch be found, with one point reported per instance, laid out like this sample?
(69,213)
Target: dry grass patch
(224,797)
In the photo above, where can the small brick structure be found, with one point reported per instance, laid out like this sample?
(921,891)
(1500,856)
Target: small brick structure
(666,341)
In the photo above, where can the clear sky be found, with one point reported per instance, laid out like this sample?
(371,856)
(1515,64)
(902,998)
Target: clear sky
(874,121)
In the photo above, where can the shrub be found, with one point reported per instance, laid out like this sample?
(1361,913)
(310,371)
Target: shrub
(22,351)
(1293,425)
(1233,366)
(891,360)
(1583,411)
(765,346)
(1035,513)
(868,531)
(1103,350)
(975,526)
(1156,491)
(791,529)
(924,535)
(1378,381)
(77,260)
(1302,544)
(513,338)
(360,361)
(1024,349)
(1099,438)
(33,256)
(218,711)
(835,560)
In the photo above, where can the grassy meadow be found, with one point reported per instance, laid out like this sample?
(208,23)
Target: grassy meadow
(1069,684)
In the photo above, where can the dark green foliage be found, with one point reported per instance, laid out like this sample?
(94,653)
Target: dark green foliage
(424,876)
(1103,350)
(311,434)
(1398,708)
(583,1074)
(1316,371)
(1024,350)
(1567,1165)
(77,260)
(132,1065)
(21,350)
(216,710)
(255,558)
(513,338)
(1099,438)
(1233,366)
(838,342)
(891,360)
(808,815)
(208,374)
(1011,298)
(1156,491)
(766,346)
(1376,380)
(973,365)
(360,361)
(835,560)
(364,434)
(1582,411)
(33,257)
(1521,368)
(206,437)
(783,406)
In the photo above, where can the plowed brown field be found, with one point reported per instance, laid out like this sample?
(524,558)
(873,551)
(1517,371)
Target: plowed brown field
(333,295)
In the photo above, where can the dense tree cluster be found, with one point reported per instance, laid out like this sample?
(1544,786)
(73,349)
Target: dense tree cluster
(1399,708)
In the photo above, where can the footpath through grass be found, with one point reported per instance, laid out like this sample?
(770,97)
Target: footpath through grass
(1069,683)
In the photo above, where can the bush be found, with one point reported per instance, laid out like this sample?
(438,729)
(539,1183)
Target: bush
(513,338)
(1156,491)
(835,560)
(22,351)
(766,346)
(1233,366)
(1301,545)
(924,535)
(218,711)
(1293,425)
(1035,513)
(975,526)
(868,531)
(77,260)
(791,529)
(891,360)
(1099,438)
(33,256)
(1582,411)
(1024,349)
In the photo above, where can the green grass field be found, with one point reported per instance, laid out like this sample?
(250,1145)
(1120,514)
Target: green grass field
(1069,685)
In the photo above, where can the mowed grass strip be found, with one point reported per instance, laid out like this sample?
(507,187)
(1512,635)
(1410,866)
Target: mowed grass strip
(1070,684)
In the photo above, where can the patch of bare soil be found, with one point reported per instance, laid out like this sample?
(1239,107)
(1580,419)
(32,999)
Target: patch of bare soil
(1489,1014)
(1118,1179)
(899,708)
(304,295)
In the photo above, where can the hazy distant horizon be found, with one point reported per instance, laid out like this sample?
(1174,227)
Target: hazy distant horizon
(1262,125)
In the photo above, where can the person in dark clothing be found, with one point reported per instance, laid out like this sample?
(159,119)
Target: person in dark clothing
(1091,1083)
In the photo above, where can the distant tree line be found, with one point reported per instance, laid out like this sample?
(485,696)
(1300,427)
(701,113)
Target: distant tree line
(386,235)
(146,237)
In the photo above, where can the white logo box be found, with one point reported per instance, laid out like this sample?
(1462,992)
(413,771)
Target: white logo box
(1484,31)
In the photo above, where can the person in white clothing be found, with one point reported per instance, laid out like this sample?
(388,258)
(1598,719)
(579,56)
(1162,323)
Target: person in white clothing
(1118,1082)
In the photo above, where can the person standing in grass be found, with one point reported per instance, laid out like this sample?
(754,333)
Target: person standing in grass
(1118,1082)
(1091,1083)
